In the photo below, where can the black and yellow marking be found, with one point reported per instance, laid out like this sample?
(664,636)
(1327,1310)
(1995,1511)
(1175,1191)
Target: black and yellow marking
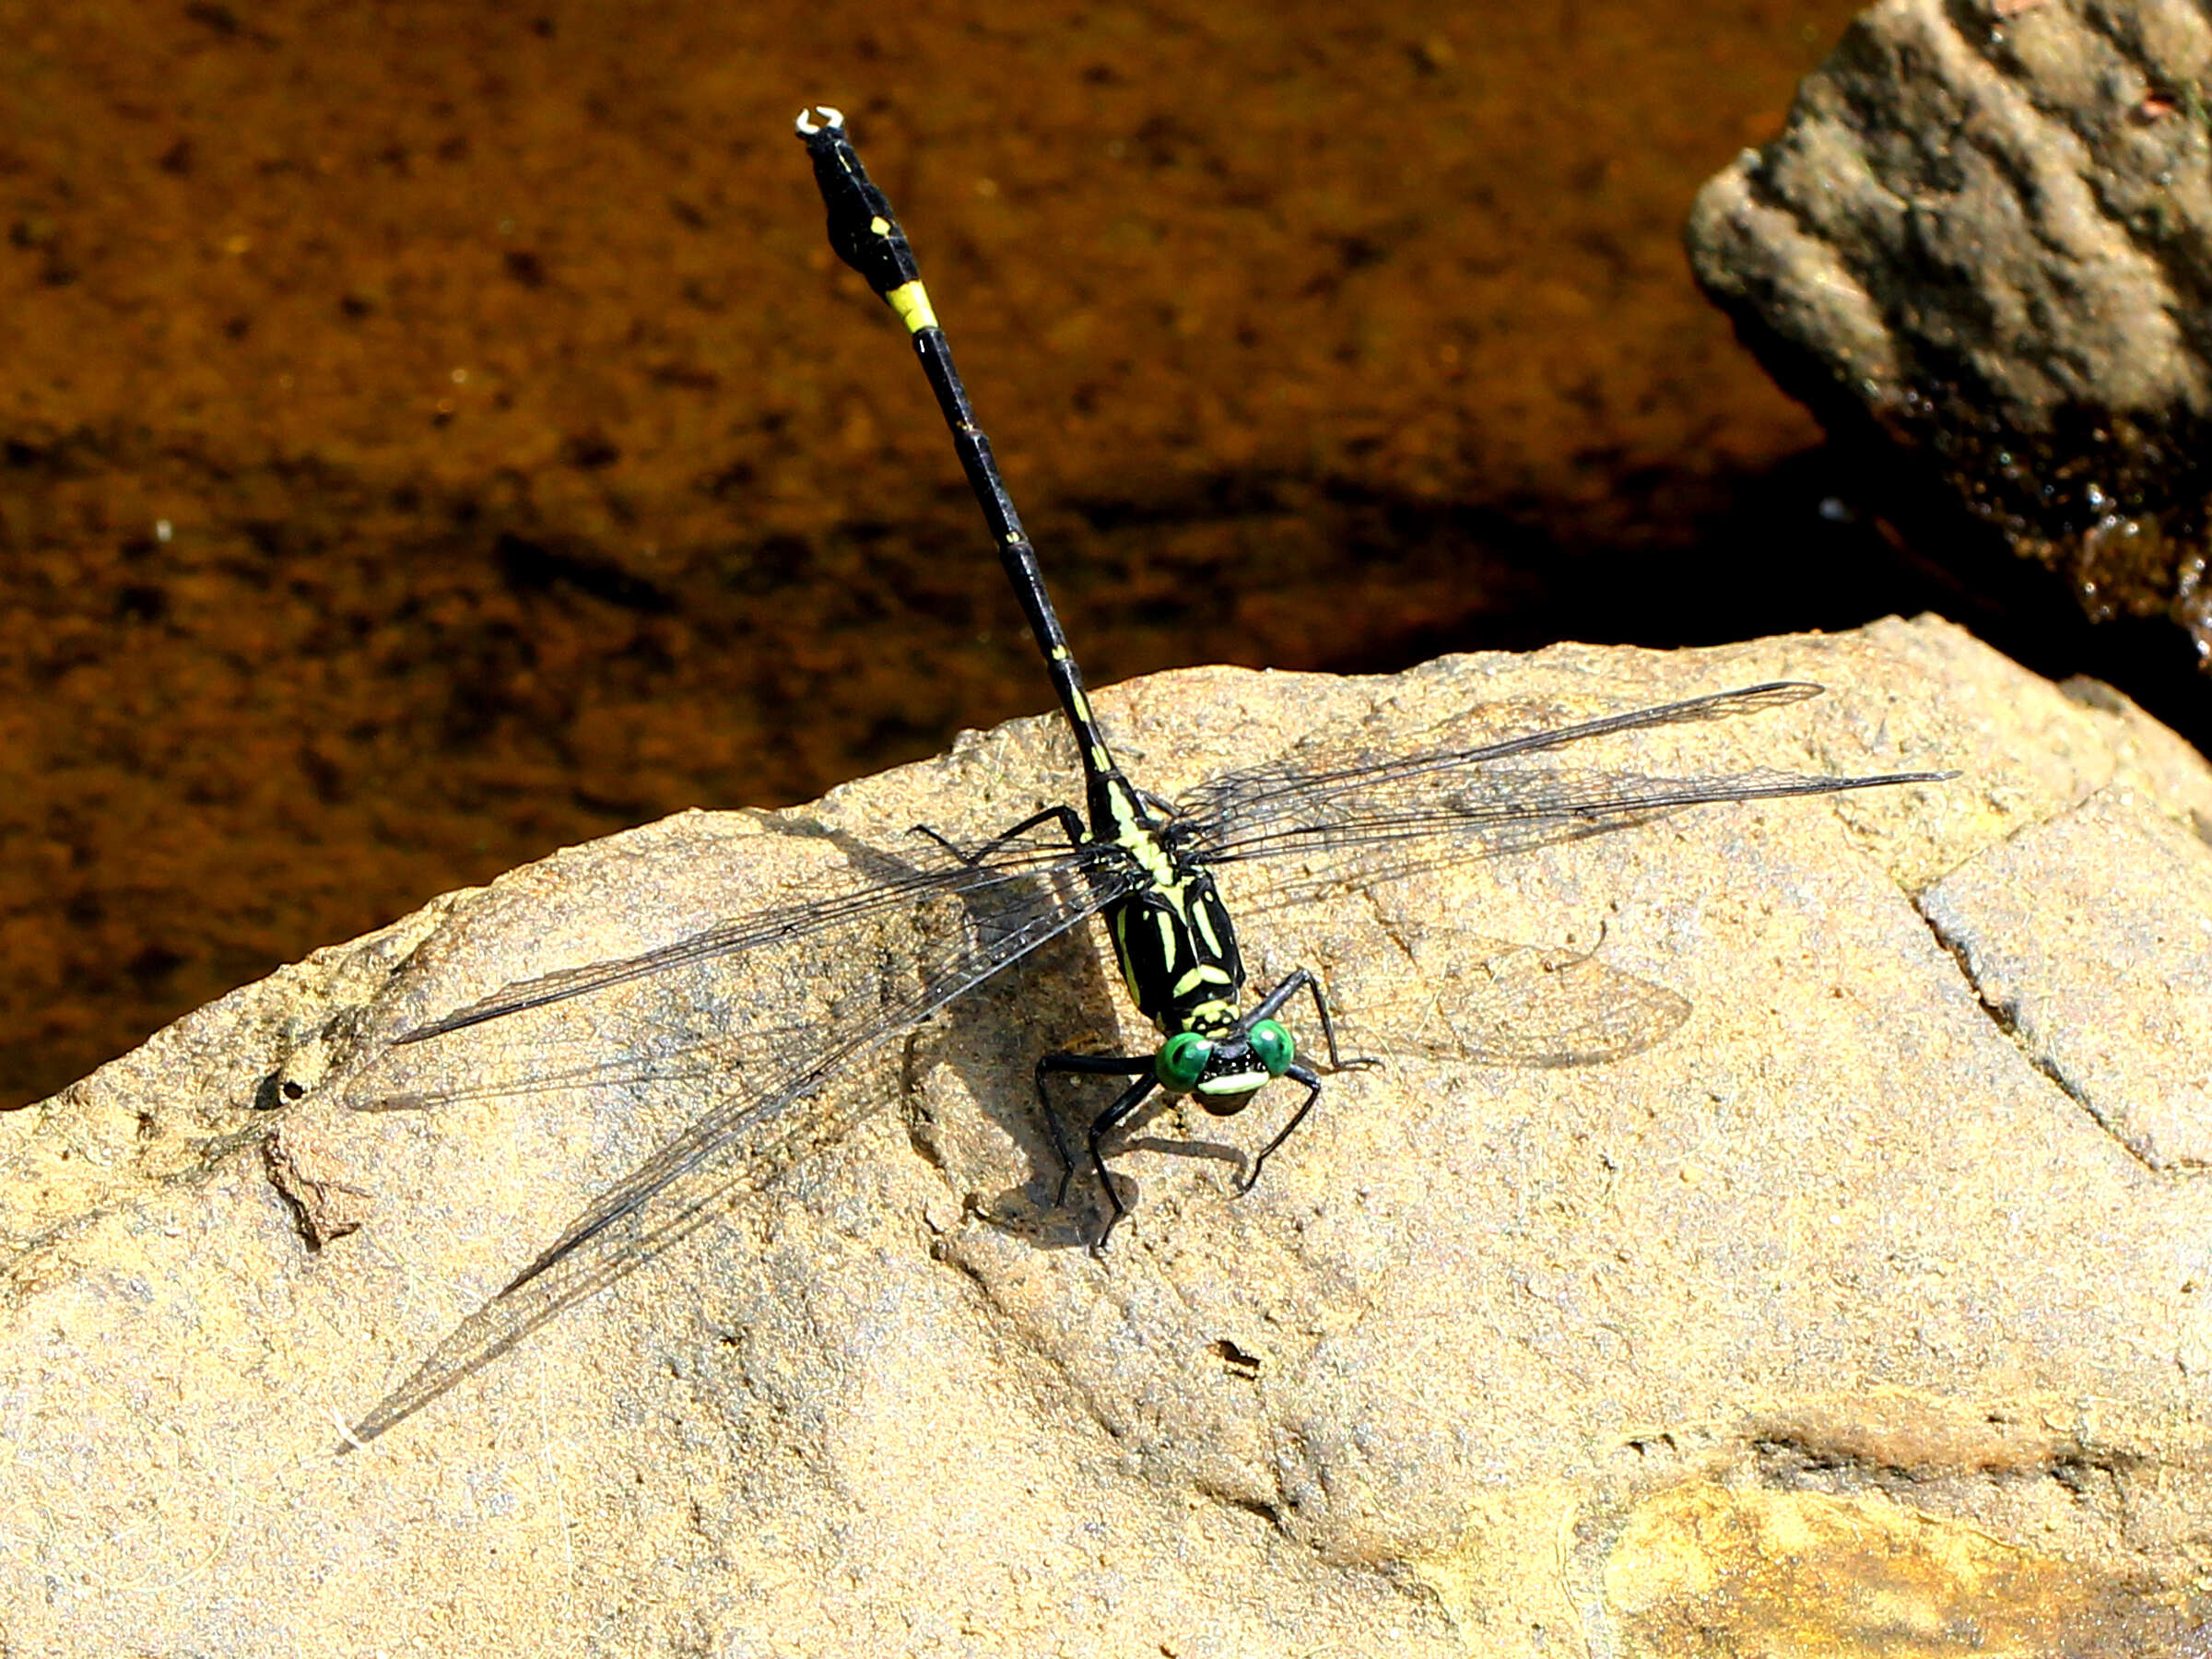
(864,233)
(1173,936)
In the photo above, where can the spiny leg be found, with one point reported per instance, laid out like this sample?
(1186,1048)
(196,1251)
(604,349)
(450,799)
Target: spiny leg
(1297,1074)
(1084,1065)
(1305,979)
(1067,816)
(1103,1126)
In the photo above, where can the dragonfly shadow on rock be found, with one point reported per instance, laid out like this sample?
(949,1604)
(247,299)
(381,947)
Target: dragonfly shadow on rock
(969,1099)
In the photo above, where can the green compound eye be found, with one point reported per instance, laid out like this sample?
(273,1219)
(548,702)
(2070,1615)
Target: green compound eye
(1272,1045)
(1182,1061)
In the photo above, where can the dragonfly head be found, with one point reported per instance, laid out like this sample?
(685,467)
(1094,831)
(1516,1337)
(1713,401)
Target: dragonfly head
(1223,1071)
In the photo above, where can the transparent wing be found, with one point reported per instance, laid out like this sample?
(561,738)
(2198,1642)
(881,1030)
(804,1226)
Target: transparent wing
(761,1039)
(1496,1003)
(890,885)
(1485,799)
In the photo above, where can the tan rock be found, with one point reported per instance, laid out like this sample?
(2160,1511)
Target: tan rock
(1833,1288)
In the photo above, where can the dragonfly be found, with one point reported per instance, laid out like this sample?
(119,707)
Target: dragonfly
(942,919)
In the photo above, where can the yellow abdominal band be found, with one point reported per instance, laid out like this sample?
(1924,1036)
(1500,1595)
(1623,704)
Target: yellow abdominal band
(911,301)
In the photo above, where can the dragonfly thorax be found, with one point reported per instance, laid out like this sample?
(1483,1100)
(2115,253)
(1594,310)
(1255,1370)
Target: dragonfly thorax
(1178,949)
(1178,952)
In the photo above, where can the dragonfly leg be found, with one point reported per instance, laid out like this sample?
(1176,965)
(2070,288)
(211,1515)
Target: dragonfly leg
(1297,1074)
(1103,1126)
(1306,979)
(1067,816)
(1083,1065)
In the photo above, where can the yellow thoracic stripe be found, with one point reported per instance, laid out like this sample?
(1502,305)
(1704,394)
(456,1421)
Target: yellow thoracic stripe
(1165,924)
(1205,974)
(1142,844)
(911,301)
(1202,918)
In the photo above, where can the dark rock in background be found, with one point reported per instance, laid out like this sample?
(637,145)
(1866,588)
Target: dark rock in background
(1984,239)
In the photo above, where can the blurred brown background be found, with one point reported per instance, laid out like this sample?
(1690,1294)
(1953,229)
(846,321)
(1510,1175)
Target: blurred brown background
(436,434)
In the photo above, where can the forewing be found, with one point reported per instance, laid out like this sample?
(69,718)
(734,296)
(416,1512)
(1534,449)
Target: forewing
(1485,798)
(884,885)
(946,935)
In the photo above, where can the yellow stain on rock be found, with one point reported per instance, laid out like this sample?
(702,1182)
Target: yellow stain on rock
(1726,1574)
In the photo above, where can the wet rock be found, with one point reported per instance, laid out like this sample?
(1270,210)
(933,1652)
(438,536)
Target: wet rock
(1834,1310)
(1987,235)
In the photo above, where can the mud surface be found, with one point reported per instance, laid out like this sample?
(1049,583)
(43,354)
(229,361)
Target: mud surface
(434,434)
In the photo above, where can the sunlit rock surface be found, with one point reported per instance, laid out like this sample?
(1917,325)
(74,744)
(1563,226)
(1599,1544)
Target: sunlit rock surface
(1867,1310)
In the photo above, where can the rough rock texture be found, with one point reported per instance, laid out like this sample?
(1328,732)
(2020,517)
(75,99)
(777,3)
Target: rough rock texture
(1869,1311)
(1988,228)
